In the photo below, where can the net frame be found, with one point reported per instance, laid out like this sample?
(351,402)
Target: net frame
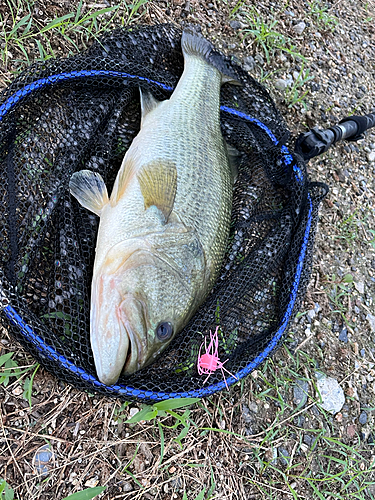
(290,169)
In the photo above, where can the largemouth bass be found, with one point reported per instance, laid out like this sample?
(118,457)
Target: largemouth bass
(163,232)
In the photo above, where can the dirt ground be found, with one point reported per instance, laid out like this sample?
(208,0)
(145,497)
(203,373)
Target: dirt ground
(257,440)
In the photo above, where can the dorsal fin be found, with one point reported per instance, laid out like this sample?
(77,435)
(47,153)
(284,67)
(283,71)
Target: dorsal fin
(89,189)
(158,183)
(148,102)
(234,158)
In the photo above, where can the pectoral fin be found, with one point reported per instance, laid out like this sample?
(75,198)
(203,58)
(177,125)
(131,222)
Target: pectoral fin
(89,189)
(158,183)
(126,173)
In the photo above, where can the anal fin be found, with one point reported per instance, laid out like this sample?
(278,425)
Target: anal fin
(158,183)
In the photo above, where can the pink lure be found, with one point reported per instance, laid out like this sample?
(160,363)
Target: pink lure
(210,362)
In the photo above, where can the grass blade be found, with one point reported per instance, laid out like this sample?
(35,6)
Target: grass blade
(87,494)
(172,404)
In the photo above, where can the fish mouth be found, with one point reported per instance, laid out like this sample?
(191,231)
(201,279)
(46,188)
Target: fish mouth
(118,339)
(134,320)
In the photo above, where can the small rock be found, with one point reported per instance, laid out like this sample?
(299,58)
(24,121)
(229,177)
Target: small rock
(360,287)
(311,314)
(371,156)
(289,80)
(341,175)
(259,59)
(236,25)
(351,430)
(343,336)
(363,418)
(371,319)
(176,483)
(299,28)
(299,420)
(133,411)
(91,483)
(281,84)
(315,411)
(44,460)
(17,391)
(253,407)
(296,75)
(331,392)
(246,414)
(309,440)
(249,63)
(300,392)
(127,487)
(284,456)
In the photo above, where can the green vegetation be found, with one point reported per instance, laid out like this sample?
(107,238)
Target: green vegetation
(7,493)
(339,295)
(9,368)
(264,34)
(295,94)
(319,13)
(87,494)
(25,40)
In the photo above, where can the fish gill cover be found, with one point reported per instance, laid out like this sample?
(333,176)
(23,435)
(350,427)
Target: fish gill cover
(62,116)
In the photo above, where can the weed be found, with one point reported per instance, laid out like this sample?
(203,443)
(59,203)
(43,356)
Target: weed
(266,37)
(9,368)
(26,41)
(340,294)
(321,16)
(236,8)
(6,492)
(165,409)
(293,94)
(87,494)
(349,228)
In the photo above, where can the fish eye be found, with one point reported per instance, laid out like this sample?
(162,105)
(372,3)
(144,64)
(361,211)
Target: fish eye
(164,330)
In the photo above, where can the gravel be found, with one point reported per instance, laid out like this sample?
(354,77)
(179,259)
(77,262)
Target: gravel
(331,392)
(363,418)
(343,335)
(300,392)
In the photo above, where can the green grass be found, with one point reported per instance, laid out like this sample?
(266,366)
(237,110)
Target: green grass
(25,39)
(321,17)
(296,94)
(330,468)
(7,493)
(263,34)
(9,368)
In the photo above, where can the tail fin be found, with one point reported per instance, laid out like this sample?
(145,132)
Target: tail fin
(194,44)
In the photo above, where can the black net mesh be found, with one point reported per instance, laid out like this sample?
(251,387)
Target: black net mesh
(83,112)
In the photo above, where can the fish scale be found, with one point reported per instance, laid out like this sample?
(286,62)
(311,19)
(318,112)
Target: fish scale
(163,232)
